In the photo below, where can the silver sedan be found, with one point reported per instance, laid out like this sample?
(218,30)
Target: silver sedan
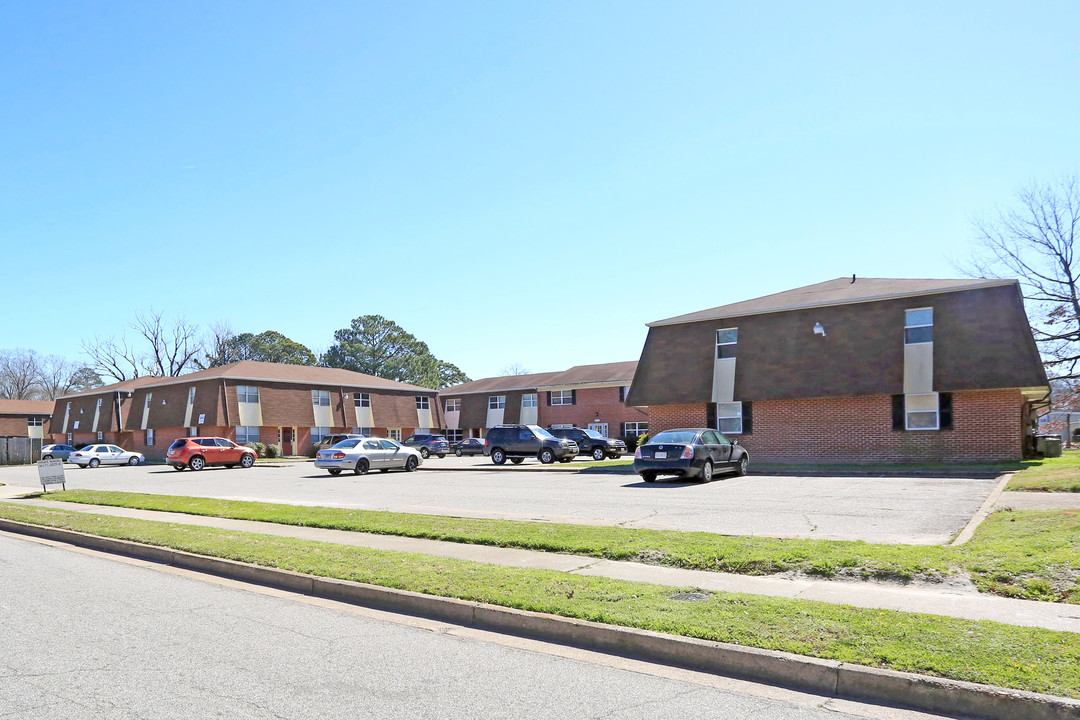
(94,455)
(363,454)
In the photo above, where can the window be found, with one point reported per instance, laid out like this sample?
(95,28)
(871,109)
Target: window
(99,403)
(453,405)
(361,431)
(192,432)
(727,341)
(496,402)
(918,326)
(729,418)
(35,422)
(423,402)
(320,398)
(921,411)
(624,392)
(362,399)
(394,433)
(247,434)
(318,433)
(149,437)
(247,393)
(529,400)
(561,397)
(70,437)
(100,435)
(146,406)
(453,436)
(191,396)
(633,429)
(75,426)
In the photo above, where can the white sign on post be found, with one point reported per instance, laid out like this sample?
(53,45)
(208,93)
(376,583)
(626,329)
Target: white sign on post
(51,472)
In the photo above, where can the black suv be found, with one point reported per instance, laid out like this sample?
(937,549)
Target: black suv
(518,442)
(590,442)
(429,444)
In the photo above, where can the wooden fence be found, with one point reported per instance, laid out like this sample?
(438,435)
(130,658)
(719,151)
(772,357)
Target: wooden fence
(18,450)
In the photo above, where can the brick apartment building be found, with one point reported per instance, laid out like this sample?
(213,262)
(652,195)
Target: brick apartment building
(854,370)
(293,406)
(586,396)
(25,418)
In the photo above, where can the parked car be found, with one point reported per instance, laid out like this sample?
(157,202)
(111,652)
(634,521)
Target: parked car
(590,442)
(690,453)
(60,452)
(94,455)
(518,442)
(428,444)
(331,440)
(361,455)
(198,452)
(468,446)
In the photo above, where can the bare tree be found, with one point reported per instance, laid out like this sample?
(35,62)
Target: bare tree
(20,372)
(1035,243)
(514,369)
(55,376)
(162,349)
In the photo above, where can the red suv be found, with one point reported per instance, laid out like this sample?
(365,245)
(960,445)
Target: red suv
(198,452)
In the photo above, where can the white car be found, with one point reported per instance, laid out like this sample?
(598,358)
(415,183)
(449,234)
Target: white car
(363,454)
(94,455)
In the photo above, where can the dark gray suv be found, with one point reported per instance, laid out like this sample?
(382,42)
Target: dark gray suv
(590,442)
(518,442)
(428,444)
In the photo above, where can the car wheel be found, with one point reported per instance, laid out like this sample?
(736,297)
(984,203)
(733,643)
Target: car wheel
(133,461)
(46,457)
(411,464)
(178,467)
(424,453)
(744,464)
(362,466)
(441,455)
(648,476)
(94,462)
(334,471)
(546,456)
(197,463)
(517,461)
(498,456)
(706,471)
(247,460)
(458,453)
(598,454)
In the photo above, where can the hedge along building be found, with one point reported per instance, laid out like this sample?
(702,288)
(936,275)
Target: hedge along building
(293,406)
(866,370)
(583,396)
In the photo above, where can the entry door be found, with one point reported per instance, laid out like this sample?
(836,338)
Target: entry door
(599,427)
(286,441)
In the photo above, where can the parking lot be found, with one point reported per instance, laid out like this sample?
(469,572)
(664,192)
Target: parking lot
(880,510)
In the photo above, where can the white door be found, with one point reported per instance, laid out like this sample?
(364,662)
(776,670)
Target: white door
(599,427)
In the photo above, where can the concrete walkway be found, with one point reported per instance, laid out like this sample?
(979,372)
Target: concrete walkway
(954,599)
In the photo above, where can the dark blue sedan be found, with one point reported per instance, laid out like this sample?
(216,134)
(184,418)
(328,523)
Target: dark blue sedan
(695,453)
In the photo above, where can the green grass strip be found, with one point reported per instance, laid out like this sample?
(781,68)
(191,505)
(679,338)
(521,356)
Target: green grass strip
(1033,555)
(1060,474)
(978,651)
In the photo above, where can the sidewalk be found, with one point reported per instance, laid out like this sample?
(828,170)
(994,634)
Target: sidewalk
(957,599)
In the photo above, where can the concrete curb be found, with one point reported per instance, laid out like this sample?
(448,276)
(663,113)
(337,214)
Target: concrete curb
(824,677)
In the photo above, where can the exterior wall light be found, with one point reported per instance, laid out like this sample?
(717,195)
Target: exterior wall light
(819,329)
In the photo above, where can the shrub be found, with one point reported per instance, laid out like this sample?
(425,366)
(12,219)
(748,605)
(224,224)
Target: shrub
(273,451)
(642,439)
(259,448)
(311,451)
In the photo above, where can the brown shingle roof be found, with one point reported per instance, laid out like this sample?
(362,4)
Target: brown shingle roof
(841,291)
(499,384)
(26,407)
(617,372)
(123,385)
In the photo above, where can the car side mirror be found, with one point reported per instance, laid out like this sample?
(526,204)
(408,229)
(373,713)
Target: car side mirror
(734,442)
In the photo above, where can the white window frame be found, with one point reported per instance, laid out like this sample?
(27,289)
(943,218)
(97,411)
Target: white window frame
(496,402)
(149,437)
(530,400)
(35,422)
(725,343)
(635,429)
(191,395)
(247,434)
(736,416)
(394,434)
(936,412)
(423,402)
(362,399)
(921,325)
(562,397)
(318,433)
(453,405)
(247,393)
(320,398)
(453,435)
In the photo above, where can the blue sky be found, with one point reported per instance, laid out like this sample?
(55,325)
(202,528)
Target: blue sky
(511,182)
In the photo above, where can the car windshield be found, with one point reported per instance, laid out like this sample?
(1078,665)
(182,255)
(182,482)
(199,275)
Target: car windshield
(346,444)
(593,434)
(541,431)
(673,436)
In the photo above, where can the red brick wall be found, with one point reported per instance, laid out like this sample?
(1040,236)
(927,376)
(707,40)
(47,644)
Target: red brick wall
(590,403)
(987,427)
(14,426)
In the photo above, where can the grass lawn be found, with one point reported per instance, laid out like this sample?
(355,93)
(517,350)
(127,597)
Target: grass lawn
(977,651)
(1060,474)
(1025,554)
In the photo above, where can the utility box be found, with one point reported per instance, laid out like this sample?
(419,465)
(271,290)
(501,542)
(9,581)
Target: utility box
(1051,445)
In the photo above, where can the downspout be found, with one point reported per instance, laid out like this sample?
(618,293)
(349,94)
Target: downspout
(341,399)
(119,414)
(225,400)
